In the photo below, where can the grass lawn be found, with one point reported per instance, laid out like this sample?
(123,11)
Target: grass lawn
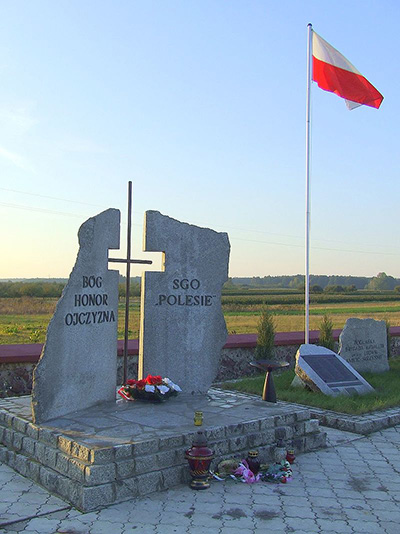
(386,395)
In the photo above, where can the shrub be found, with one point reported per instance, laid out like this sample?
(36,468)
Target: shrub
(316,289)
(334,289)
(325,333)
(266,336)
(350,289)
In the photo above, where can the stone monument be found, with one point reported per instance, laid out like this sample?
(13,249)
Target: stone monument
(323,370)
(182,326)
(78,365)
(363,343)
(94,455)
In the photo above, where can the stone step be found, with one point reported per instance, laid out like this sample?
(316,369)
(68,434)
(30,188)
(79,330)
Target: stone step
(92,470)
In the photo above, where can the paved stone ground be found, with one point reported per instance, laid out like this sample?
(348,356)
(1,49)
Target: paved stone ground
(353,486)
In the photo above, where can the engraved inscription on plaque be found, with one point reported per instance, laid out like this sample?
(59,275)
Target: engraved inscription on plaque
(331,370)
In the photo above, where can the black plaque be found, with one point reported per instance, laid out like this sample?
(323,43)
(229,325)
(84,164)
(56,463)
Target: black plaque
(331,370)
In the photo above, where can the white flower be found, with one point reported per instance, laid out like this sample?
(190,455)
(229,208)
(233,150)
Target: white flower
(172,385)
(175,386)
(163,389)
(149,388)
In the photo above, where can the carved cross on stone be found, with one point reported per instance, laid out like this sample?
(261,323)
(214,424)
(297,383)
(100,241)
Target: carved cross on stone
(128,261)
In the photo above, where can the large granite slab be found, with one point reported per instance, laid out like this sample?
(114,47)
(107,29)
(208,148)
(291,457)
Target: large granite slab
(116,451)
(182,325)
(78,364)
(363,343)
(325,371)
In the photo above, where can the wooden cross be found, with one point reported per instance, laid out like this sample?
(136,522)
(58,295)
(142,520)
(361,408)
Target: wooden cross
(128,262)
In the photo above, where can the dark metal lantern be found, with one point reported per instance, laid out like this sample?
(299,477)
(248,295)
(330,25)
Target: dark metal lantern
(199,457)
(253,462)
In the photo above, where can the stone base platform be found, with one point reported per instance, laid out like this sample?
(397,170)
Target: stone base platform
(115,451)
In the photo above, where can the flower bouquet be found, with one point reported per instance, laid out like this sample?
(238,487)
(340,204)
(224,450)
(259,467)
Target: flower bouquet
(151,388)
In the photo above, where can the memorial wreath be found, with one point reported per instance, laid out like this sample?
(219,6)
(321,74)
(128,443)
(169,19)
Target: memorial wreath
(152,388)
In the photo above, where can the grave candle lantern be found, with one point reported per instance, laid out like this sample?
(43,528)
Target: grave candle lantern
(290,455)
(198,418)
(199,457)
(253,462)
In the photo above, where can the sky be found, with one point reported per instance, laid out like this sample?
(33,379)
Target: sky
(201,104)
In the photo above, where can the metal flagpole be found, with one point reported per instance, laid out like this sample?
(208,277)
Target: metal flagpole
(308,148)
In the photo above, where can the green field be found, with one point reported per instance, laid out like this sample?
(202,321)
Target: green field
(25,319)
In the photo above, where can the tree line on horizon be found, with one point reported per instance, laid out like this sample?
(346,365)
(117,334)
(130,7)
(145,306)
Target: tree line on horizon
(49,289)
(380,282)
(52,288)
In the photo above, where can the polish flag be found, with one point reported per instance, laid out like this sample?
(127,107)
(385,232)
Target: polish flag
(334,73)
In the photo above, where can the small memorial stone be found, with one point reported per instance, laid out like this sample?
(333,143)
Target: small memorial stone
(182,326)
(78,364)
(363,343)
(323,370)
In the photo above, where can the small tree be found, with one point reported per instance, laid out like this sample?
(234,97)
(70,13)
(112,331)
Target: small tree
(266,336)
(325,333)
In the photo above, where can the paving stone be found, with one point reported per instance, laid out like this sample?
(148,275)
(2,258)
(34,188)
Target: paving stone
(390,527)
(377,495)
(72,526)
(388,515)
(321,492)
(269,499)
(111,514)
(167,529)
(43,525)
(267,524)
(356,504)
(296,523)
(151,508)
(360,514)
(330,513)
(206,520)
(232,498)
(365,527)
(106,527)
(82,518)
(299,511)
(339,527)
(324,502)
(175,518)
(140,529)
(200,530)
(381,507)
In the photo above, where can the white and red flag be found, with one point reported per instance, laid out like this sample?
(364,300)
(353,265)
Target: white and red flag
(334,73)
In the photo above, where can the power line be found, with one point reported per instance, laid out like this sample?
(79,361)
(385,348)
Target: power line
(41,210)
(77,215)
(315,248)
(51,198)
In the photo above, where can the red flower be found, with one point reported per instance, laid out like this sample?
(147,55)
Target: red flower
(141,383)
(153,380)
(131,382)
